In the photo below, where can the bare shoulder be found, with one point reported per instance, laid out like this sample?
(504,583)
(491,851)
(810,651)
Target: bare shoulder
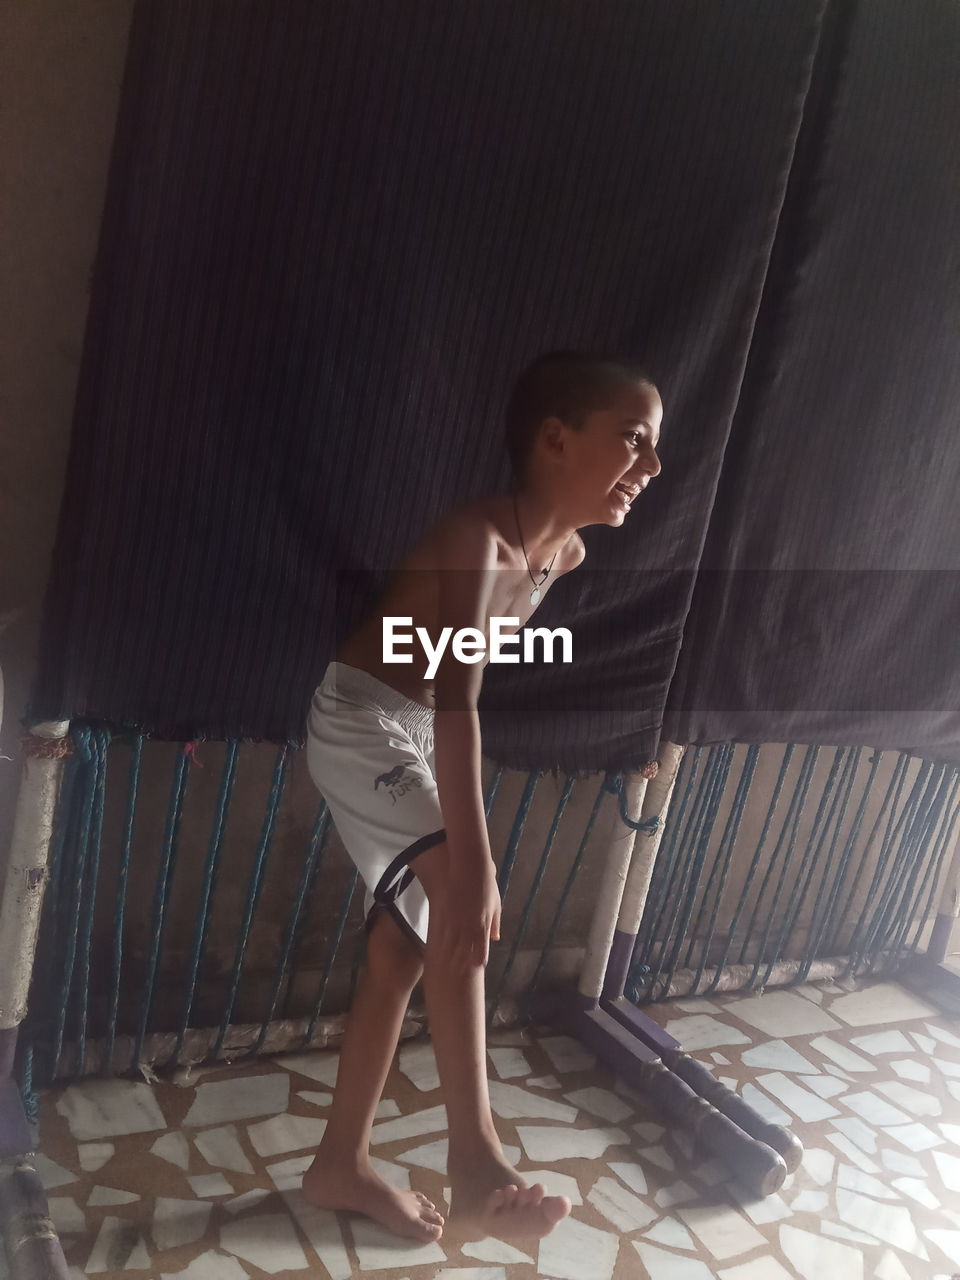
(467,536)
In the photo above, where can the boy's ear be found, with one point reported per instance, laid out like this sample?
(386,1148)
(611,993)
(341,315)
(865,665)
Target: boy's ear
(552,435)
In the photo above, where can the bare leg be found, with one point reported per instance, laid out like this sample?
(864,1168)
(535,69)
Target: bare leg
(487,1192)
(341,1176)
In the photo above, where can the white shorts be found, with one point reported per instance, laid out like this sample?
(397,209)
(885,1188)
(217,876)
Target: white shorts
(370,753)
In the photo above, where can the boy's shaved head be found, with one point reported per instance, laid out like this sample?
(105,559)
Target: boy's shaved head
(569,385)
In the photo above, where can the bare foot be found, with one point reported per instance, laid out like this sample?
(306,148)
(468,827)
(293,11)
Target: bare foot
(496,1200)
(362,1190)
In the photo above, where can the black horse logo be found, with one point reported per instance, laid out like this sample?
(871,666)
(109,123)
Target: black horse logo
(394,777)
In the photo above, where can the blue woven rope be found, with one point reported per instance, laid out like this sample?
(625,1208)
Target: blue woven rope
(126,853)
(332,950)
(100,741)
(208,887)
(516,831)
(253,890)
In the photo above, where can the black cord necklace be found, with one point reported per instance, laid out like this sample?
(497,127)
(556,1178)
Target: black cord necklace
(536,593)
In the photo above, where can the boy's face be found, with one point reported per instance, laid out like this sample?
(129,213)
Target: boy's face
(606,465)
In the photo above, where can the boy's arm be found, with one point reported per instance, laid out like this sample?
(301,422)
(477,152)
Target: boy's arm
(467,565)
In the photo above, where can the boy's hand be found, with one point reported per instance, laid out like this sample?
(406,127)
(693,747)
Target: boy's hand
(472,917)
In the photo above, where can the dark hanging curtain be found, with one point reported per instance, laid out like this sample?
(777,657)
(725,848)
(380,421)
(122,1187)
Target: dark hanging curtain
(335,234)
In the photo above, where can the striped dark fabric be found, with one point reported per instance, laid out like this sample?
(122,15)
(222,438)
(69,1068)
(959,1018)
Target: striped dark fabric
(827,606)
(333,236)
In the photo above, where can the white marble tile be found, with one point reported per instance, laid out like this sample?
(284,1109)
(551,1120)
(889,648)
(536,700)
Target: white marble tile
(879,1042)
(943,1035)
(951,1132)
(809,992)
(67,1215)
(432,1155)
(953,1088)
(221,1148)
(819,1165)
(670,1266)
(551,1142)
(419,1065)
(841,1055)
(379,1249)
(174,1148)
(924,1043)
(632,1174)
(567,1054)
(679,1192)
(839,1232)
(109,1195)
(777,1055)
(209,1186)
(386,1109)
(211,1266)
(723,1231)
(576,1251)
(915,1101)
(509,1062)
(915,1137)
(649,1132)
(108,1108)
(321,1066)
(177,1222)
(287,1175)
(805,1105)
(949,1169)
(52,1175)
(513,1103)
(951,1069)
(471,1273)
(492,1250)
(698,1005)
(285,1133)
(600,1102)
(856,1180)
(94,1155)
(766,1268)
(430,1120)
(825,1086)
(916,1189)
(701,1031)
(267,1240)
(240,1098)
(719,1060)
(659,1156)
(555,1183)
(710,1172)
(878,1004)
(859,1133)
(875,1110)
(622,1208)
(765,1106)
(781,1015)
(891,1268)
(897,1162)
(908,1069)
(846,1148)
(814,1258)
(322,1229)
(119,1246)
(321,1098)
(948,1241)
(672,1233)
(810,1202)
(839,1072)
(544,1082)
(889,1223)
(249,1200)
(760,1210)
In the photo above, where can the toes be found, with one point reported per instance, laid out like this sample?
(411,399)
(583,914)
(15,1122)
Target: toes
(423,1200)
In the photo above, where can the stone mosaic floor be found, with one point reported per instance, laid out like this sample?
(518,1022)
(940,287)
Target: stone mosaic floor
(199,1179)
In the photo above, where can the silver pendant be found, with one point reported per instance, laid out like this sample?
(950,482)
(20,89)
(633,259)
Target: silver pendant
(535,595)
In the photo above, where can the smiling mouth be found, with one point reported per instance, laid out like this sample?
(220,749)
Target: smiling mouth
(628,492)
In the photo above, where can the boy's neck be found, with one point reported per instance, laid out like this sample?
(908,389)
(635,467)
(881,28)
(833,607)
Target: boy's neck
(545,529)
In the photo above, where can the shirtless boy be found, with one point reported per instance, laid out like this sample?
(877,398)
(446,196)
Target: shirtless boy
(581,433)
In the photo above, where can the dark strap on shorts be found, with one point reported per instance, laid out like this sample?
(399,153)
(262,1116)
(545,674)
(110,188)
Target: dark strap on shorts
(398,875)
